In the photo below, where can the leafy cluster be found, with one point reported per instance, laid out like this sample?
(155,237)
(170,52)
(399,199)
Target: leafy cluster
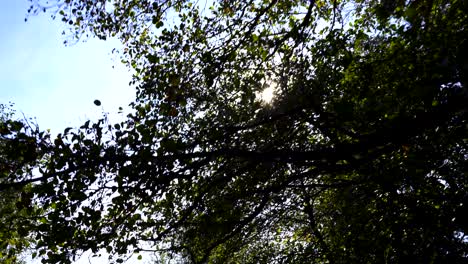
(361,156)
(17,154)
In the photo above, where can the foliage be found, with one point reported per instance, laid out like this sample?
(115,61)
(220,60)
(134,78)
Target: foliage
(15,202)
(361,157)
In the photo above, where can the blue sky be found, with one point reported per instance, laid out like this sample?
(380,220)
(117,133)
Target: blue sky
(51,82)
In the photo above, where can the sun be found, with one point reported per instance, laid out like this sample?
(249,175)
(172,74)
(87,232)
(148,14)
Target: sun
(268,93)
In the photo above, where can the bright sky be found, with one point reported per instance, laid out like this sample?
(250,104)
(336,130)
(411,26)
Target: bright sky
(51,82)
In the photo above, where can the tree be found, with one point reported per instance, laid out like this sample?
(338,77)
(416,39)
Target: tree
(360,157)
(15,203)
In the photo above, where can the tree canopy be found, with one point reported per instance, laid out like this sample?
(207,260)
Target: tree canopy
(15,202)
(360,157)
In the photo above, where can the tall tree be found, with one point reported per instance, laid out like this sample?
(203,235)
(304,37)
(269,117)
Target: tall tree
(15,201)
(361,156)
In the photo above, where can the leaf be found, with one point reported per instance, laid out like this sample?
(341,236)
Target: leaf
(159,24)
(153,58)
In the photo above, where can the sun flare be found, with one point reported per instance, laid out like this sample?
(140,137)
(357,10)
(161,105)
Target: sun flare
(268,93)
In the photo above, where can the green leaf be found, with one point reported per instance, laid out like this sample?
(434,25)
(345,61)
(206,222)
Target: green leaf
(159,24)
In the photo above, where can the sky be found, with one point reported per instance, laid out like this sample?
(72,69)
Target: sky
(51,82)
(55,84)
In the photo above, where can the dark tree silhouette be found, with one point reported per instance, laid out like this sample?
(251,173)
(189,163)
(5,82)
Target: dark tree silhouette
(360,157)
